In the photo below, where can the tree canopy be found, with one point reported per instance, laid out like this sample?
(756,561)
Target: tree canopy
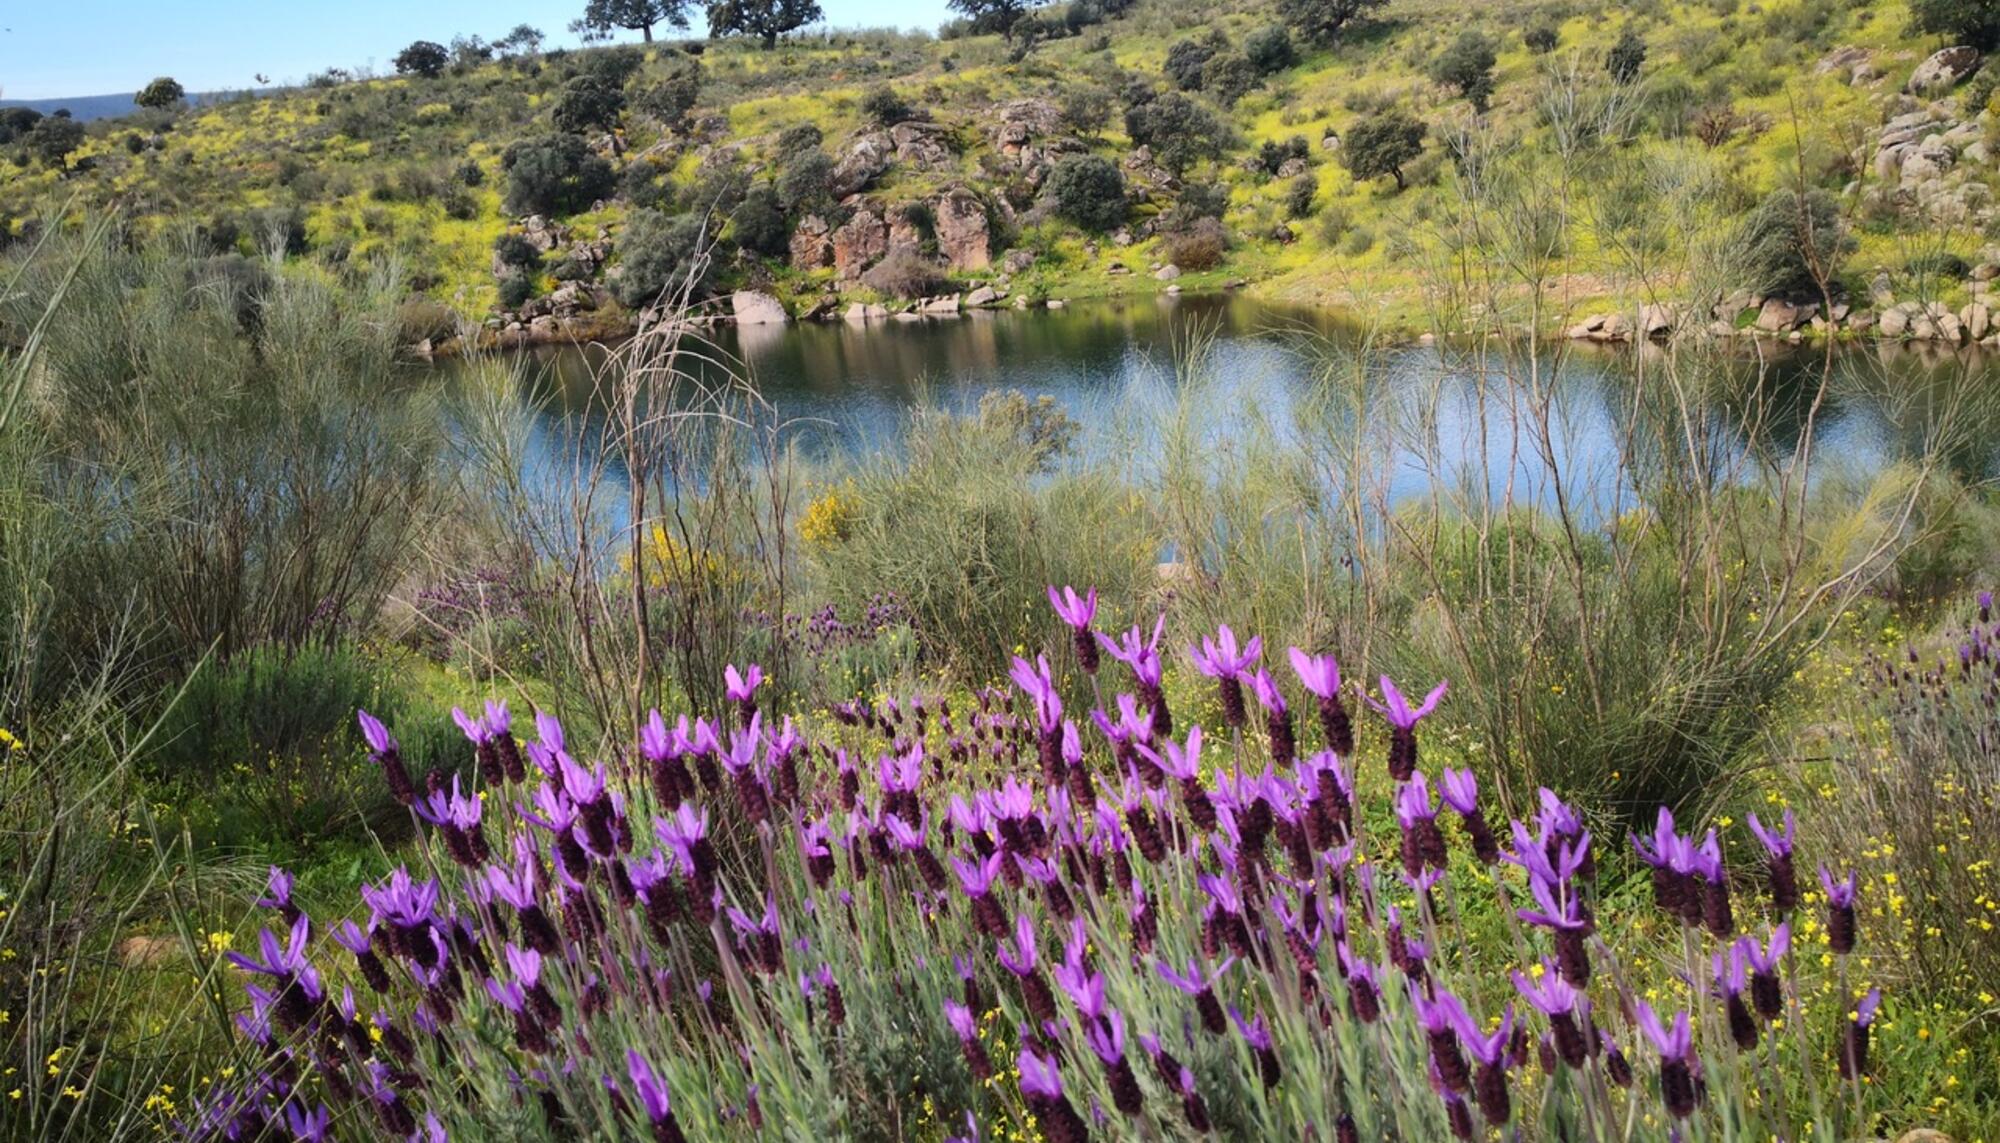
(764,19)
(1382,143)
(640,16)
(426,58)
(163,92)
(1322,21)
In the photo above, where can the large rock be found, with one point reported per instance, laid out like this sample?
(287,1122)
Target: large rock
(1943,70)
(859,244)
(920,145)
(812,244)
(753,307)
(1778,316)
(1019,122)
(1842,60)
(1977,318)
(1655,320)
(982,297)
(1895,322)
(962,229)
(1167,273)
(867,158)
(1017,261)
(866,311)
(948,304)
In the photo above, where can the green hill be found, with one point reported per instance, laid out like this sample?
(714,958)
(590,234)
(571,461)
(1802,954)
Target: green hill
(818,162)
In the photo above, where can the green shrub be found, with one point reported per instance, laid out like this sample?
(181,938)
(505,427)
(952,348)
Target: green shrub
(658,255)
(906,273)
(1186,59)
(1202,246)
(516,252)
(1299,194)
(758,223)
(1467,67)
(588,103)
(1627,56)
(884,107)
(1088,190)
(1789,250)
(424,58)
(515,290)
(1269,49)
(1179,131)
(554,175)
(1541,38)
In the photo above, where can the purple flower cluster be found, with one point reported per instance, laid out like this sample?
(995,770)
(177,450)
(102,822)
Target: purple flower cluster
(573,898)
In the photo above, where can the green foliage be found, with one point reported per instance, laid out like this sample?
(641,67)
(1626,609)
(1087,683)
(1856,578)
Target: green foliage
(805,185)
(1626,56)
(758,223)
(588,103)
(1321,21)
(906,273)
(515,252)
(1299,194)
(1383,144)
(1086,108)
(662,256)
(670,99)
(1180,131)
(424,58)
(641,16)
(1790,250)
(554,175)
(1088,190)
(1228,77)
(1974,22)
(987,17)
(1541,38)
(1186,58)
(161,94)
(884,107)
(1467,67)
(1269,49)
(54,139)
(765,20)
(515,290)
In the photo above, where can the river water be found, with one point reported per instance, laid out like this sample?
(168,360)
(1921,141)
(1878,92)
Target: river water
(849,387)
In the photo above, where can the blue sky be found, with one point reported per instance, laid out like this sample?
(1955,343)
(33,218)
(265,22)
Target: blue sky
(98,47)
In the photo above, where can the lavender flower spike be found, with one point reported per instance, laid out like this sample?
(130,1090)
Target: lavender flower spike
(1226,663)
(1041,1083)
(1675,1045)
(653,1097)
(1320,675)
(1780,876)
(1077,612)
(1840,919)
(1403,719)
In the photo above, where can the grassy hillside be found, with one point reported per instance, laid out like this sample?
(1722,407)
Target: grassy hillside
(414,168)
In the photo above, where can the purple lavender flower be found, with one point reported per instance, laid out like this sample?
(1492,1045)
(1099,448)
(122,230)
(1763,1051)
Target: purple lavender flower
(1780,876)
(278,895)
(653,1098)
(1854,1042)
(1716,913)
(1440,1016)
(1041,1084)
(1403,719)
(1277,719)
(1766,989)
(966,1025)
(1561,912)
(1490,1053)
(975,878)
(1731,978)
(1423,842)
(1320,675)
(1460,790)
(1202,988)
(1077,612)
(1840,918)
(1564,1005)
(741,689)
(1106,1038)
(1142,655)
(1257,1034)
(1222,660)
(1675,1044)
(308,1126)
(383,750)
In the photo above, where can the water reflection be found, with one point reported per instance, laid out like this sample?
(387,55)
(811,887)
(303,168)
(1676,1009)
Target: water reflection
(849,386)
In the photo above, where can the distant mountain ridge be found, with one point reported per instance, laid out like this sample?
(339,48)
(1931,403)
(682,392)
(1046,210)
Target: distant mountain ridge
(86,108)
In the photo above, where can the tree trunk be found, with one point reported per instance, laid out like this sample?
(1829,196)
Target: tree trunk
(1398,172)
(647,31)
(770,40)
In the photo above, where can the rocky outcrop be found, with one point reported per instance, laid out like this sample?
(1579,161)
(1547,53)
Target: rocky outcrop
(859,244)
(963,230)
(753,307)
(1943,70)
(865,312)
(812,244)
(1167,273)
(867,158)
(921,145)
(1018,261)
